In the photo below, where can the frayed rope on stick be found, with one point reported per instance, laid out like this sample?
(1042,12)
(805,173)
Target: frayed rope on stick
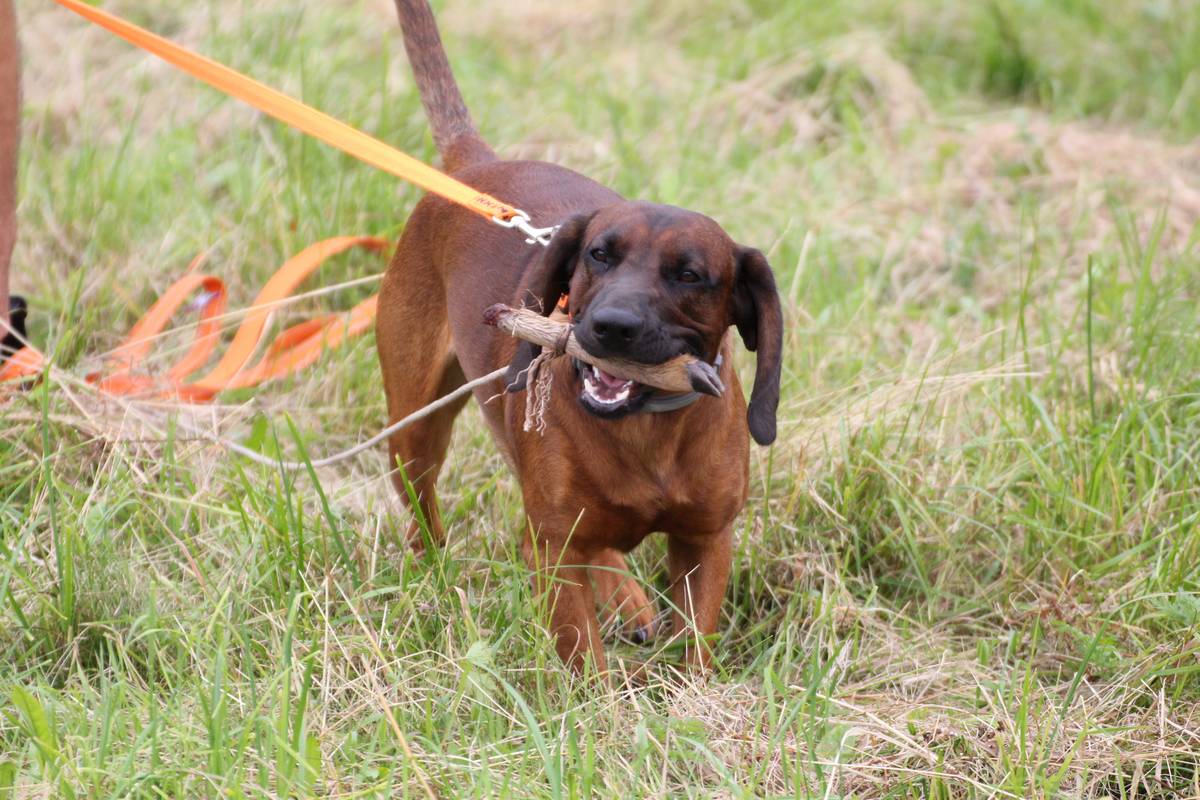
(539,378)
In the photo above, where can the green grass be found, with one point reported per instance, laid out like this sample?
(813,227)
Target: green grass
(969,568)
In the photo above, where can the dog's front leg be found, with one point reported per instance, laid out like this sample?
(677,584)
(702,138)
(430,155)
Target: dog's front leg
(699,568)
(560,580)
(621,596)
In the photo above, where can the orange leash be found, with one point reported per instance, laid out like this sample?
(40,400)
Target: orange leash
(315,123)
(296,348)
(305,118)
(300,345)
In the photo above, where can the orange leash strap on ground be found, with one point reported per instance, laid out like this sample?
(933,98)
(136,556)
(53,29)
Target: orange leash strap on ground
(296,348)
(301,345)
(25,363)
(137,344)
(230,371)
(305,118)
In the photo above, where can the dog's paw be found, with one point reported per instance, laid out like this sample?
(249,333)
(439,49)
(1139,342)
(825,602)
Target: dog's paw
(641,634)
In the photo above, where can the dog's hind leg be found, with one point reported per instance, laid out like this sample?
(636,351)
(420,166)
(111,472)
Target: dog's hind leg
(419,366)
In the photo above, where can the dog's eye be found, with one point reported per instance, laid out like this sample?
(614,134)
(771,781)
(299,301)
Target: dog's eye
(599,254)
(689,276)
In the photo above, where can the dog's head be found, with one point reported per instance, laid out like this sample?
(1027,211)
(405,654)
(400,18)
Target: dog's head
(650,282)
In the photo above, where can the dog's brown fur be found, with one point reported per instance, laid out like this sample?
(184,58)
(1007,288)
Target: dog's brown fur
(593,488)
(10,128)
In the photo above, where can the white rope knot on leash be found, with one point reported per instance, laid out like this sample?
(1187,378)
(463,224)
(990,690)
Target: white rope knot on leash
(540,379)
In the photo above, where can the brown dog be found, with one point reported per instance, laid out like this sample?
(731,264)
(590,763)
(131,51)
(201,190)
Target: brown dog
(646,283)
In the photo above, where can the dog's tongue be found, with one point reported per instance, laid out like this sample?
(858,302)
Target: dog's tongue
(610,381)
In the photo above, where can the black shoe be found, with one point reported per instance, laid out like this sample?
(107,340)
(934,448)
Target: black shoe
(17,308)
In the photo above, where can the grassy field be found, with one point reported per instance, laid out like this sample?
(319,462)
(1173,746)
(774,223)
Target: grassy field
(970,567)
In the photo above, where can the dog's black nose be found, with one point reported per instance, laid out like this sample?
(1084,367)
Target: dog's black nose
(616,327)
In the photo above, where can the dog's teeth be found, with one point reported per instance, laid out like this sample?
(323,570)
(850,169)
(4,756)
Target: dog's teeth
(597,389)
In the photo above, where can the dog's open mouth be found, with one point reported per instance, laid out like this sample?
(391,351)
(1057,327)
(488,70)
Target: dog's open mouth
(607,395)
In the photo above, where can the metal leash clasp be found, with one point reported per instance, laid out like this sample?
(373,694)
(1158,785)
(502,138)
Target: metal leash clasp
(522,222)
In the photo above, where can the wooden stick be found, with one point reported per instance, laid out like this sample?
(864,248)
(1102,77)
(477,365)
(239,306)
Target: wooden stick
(680,374)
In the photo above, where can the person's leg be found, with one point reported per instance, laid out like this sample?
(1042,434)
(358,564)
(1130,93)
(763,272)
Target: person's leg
(10,128)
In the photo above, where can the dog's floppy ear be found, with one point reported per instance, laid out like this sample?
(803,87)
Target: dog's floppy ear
(759,319)
(547,281)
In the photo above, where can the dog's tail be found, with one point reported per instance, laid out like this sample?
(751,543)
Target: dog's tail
(453,131)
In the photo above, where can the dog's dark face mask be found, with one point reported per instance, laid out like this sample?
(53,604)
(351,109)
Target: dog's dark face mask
(650,282)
